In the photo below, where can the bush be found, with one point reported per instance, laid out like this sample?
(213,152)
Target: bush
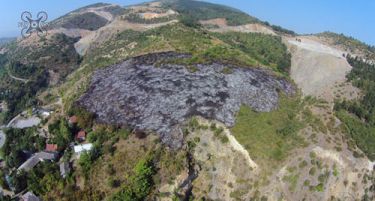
(140,183)
(113,183)
(124,133)
(61,133)
(87,159)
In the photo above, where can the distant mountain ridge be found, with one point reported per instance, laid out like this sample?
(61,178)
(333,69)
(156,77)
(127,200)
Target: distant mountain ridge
(6,40)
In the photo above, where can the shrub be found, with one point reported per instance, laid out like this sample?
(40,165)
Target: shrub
(140,183)
(312,171)
(302,164)
(113,183)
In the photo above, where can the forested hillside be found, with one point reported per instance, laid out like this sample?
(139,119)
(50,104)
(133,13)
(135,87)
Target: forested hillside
(360,125)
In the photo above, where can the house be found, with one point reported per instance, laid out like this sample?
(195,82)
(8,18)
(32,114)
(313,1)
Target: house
(51,147)
(81,135)
(36,158)
(29,196)
(73,120)
(64,169)
(78,149)
(46,156)
(29,164)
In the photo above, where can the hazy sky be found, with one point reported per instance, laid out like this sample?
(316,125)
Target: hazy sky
(353,18)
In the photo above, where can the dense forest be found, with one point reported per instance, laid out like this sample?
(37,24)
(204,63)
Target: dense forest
(363,77)
(24,72)
(205,11)
(136,18)
(19,143)
(360,125)
(18,94)
(267,49)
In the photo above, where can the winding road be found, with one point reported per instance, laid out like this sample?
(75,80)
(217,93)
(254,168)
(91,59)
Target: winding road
(17,78)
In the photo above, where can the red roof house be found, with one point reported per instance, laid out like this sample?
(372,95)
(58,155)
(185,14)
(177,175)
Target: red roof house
(51,147)
(81,135)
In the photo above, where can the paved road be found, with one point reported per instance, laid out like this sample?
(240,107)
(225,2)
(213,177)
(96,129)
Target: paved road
(17,78)
(21,122)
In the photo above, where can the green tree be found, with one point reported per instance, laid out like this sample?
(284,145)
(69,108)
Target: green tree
(140,183)
(85,161)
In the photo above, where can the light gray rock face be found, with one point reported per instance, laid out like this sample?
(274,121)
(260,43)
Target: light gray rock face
(140,95)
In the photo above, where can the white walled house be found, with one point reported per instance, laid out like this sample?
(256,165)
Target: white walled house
(78,149)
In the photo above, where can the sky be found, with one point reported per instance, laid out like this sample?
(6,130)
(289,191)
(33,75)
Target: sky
(353,18)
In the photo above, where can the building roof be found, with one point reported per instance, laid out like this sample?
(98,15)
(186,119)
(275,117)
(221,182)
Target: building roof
(82,147)
(51,147)
(29,164)
(81,135)
(46,155)
(29,196)
(73,119)
(35,159)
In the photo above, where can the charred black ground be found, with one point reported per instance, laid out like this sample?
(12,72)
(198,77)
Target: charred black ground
(158,98)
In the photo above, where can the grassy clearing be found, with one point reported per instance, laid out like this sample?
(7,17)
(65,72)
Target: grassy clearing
(268,137)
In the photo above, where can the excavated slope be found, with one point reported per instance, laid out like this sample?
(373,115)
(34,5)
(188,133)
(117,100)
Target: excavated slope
(317,68)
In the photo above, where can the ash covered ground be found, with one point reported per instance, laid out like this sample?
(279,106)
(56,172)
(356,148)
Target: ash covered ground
(139,94)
